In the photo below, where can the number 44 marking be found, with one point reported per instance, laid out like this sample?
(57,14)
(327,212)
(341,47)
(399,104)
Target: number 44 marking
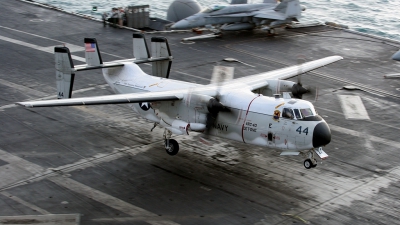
(304,131)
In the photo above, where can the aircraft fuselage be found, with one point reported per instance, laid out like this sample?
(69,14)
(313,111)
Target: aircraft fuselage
(286,124)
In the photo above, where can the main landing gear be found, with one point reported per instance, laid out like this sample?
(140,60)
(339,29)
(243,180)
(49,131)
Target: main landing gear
(171,145)
(310,162)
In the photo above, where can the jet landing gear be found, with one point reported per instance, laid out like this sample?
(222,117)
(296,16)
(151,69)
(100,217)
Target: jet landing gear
(171,145)
(310,162)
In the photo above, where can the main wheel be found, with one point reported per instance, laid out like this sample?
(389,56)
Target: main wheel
(308,164)
(173,148)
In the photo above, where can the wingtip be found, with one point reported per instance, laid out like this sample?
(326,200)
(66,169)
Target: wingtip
(339,57)
(24,104)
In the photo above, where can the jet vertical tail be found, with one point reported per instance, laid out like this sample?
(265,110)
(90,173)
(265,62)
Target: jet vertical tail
(291,8)
(65,72)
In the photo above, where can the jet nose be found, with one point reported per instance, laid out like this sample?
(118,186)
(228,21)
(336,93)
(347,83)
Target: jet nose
(181,24)
(322,135)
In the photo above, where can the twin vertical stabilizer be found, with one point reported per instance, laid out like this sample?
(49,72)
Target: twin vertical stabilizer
(160,49)
(92,52)
(64,72)
(160,59)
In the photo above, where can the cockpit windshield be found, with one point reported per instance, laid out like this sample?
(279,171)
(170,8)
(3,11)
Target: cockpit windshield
(306,112)
(212,8)
(297,113)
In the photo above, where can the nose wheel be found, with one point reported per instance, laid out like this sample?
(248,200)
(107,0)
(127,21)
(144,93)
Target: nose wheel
(310,162)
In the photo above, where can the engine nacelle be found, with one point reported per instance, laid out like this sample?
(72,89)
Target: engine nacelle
(178,127)
(276,86)
(197,102)
(199,127)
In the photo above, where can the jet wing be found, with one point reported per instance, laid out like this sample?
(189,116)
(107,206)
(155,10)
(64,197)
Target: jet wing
(109,99)
(261,80)
(270,14)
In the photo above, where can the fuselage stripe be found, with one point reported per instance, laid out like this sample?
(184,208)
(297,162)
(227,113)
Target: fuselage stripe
(247,112)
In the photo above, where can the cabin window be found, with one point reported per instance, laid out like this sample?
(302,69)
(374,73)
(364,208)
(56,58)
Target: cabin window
(297,113)
(287,113)
(306,112)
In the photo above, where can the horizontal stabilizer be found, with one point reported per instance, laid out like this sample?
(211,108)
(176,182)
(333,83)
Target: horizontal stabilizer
(92,52)
(64,72)
(160,49)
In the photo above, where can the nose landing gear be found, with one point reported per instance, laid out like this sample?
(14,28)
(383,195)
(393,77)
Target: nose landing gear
(308,164)
(311,162)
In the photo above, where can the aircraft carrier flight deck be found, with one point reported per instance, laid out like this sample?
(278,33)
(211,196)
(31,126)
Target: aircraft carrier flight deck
(103,165)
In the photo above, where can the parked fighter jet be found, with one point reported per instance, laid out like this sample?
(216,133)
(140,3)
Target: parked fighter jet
(267,16)
(237,109)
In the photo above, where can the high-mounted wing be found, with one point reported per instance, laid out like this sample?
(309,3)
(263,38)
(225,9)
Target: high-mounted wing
(109,99)
(261,80)
(245,83)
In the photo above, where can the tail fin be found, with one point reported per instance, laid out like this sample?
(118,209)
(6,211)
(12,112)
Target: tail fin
(65,72)
(160,59)
(92,52)
(291,8)
(140,50)
(160,49)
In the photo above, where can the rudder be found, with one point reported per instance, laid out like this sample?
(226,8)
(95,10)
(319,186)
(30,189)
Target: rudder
(64,72)
(92,52)
(160,49)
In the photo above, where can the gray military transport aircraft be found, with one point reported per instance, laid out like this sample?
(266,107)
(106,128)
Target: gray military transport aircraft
(240,109)
(267,16)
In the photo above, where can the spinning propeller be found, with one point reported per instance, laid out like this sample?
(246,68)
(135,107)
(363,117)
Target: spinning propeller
(297,89)
(214,106)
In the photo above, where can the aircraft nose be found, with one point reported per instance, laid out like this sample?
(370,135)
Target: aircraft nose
(322,135)
(181,24)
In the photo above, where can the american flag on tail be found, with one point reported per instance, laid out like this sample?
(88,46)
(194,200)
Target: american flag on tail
(90,47)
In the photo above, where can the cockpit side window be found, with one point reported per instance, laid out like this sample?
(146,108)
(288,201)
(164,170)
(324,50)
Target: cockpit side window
(287,113)
(297,113)
(306,112)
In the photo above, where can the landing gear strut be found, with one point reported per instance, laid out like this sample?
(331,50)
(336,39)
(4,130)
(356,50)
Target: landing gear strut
(171,145)
(310,162)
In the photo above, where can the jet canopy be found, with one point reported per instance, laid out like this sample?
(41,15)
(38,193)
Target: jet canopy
(212,8)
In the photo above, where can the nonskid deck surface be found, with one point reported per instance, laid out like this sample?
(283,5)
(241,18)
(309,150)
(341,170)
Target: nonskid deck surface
(102,165)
